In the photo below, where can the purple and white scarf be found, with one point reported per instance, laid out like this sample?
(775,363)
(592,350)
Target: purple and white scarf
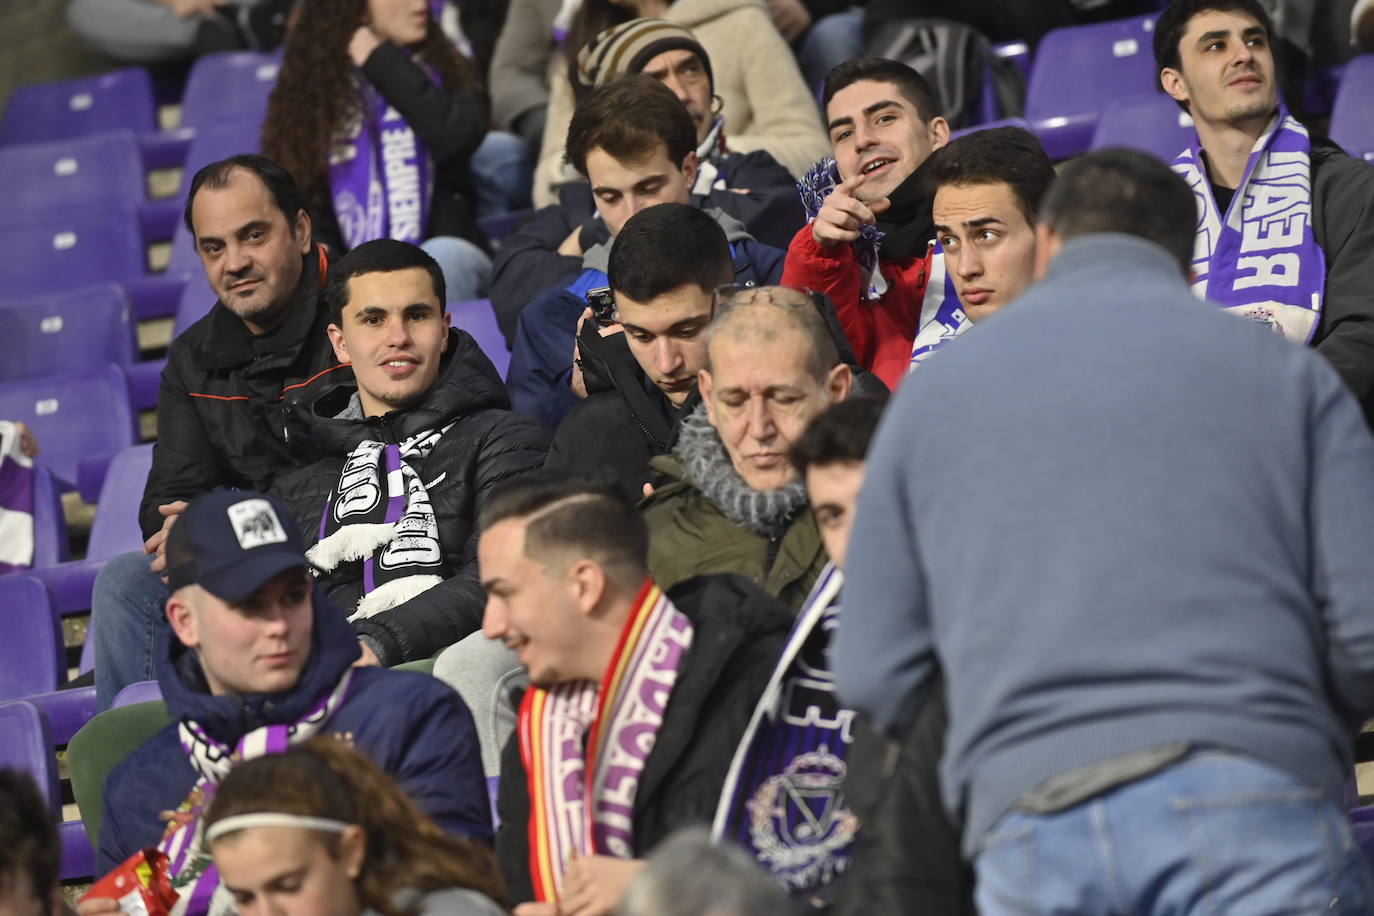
(783,798)
(815,186)
(380,513)
(1261,259)
(194,876)
(16,501)
(381,177)
(942,314)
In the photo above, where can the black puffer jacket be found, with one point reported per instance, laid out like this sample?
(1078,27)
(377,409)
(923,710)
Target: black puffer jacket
(738,634)
(487,444)
(226,408)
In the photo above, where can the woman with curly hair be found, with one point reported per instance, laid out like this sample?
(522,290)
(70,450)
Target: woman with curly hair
(320,830)
(383,122)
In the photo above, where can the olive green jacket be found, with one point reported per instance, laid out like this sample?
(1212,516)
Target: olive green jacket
(690,536)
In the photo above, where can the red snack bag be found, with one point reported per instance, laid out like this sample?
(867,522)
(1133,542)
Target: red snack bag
(139,884)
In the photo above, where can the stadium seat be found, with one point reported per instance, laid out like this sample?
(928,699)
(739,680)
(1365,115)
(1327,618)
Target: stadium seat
(137,692)
(72,416)
(49,334)
(1152,123)
(98,748)
(79,107)
(233,84)
(477,318)
(196,301)
(216,141)
(87,171)
(70,248)
(1352,117)
(51,542)
(1078,71)
(26,744)
(32,659)
(1004,122)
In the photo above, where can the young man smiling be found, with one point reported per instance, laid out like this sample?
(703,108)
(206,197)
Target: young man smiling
(883,127)
(416,433)
(1285,220)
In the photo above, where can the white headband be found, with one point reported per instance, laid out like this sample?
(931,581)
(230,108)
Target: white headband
(272,819)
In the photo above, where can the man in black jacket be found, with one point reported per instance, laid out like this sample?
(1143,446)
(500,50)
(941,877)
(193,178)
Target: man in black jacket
(226,412)
(1289,248)
(415,431)
(660,689)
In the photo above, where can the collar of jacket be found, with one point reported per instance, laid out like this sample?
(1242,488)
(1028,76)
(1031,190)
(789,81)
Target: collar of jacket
(333,648)
(230,343)
(467,382)
(1110,252)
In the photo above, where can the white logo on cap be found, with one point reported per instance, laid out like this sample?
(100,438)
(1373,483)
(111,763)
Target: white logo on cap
(255,523)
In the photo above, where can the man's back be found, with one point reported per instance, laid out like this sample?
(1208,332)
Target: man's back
(1133,521)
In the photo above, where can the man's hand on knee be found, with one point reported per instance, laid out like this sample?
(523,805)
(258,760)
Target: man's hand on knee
(157,544)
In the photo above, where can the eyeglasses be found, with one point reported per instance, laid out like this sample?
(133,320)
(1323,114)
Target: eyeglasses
(734,295)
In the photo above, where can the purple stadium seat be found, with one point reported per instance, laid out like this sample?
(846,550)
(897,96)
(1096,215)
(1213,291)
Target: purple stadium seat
(1005,122)
(79,107)
(219,140)
(101,168)
(1151,123)
(499,225)
(26,744)
(51,541)
(70,248)
(47,335)
(233,84)
(1078,71)
(477,318)
(1352,117)
(139,692)
(196,301)
(32,659)
(73,416)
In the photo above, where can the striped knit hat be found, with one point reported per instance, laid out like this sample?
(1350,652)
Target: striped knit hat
(627,47)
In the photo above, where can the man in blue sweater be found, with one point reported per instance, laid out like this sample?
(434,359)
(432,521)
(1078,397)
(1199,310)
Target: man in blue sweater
(1136,535)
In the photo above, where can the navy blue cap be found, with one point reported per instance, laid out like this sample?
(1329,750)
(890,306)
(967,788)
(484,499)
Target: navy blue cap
(231,543)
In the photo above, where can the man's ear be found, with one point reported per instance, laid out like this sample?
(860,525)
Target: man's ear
(704,385)
(839,382)
(1174,84)
(939,132)
(689,169)
(1047,245)
(182,618)
(588,582)
(336,337)
(301,227)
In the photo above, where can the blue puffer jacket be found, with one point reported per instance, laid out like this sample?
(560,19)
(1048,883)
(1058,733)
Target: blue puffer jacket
(411,725)
(541,359)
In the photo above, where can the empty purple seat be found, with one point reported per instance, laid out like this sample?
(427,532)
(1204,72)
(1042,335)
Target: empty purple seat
(196,301)
(139,692)
(26,744)
(32,659)
(1078,71)
(477,318)
(219,140)
(101,168)
(51,334)
(79,107)
(1352,117)
(70,248)
(51,542)
(1151,123)
(1004,122)
(233,84)
(73,416)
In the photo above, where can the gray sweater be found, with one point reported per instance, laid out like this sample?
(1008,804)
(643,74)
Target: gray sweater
(1118,518)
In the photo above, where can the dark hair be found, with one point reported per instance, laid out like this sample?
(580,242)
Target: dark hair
(1000,154)
(1173,23)
(881,70)
(28,835)
(840,434)
(629,118)
(324,777)
(666,247)
(571,513)
(317,91)
(379,256)
(285,193)
(1123,190)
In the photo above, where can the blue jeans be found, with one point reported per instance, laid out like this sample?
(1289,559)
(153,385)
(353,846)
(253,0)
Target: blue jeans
(502,173)
(1217,834)
(128,612)
(467,269)
(829,42)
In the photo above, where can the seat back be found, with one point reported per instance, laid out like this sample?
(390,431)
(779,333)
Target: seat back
(216,141)
(72,416)
(478,319)
(31,655)
(1150,123)
(98,748)
(1078,71)
(196,301)
(51,540)
(102,168)
(50,334)
(26,744)
(115,529)
(1352,117)
(233,84)
(80,107)
(70,248)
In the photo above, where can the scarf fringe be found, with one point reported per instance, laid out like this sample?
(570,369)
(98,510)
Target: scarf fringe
(351,542)
(393,593)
